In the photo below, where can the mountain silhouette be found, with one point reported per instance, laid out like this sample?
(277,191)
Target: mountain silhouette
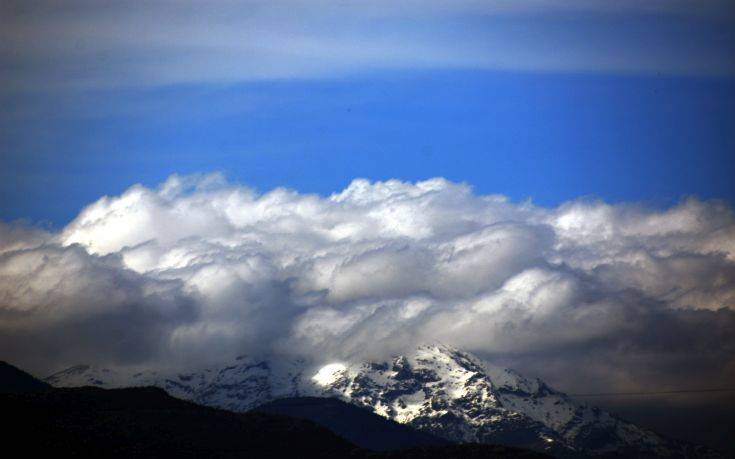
(358,425)
(16,381)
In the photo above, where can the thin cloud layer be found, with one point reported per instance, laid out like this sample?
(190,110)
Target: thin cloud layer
(198,270)
(122,44)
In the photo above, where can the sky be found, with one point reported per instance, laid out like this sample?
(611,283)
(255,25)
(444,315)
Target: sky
(547,184)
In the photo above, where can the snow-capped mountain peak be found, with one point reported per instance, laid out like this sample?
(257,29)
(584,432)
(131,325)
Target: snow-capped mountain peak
(435,388)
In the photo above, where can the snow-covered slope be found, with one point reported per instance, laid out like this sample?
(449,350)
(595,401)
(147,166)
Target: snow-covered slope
(241,386)
(439,390)
(436,389)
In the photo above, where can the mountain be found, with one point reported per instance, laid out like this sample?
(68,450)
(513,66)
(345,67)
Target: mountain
(456,396)
(15,381)
(435,389)
(148,422)
(241,386)
(359,425)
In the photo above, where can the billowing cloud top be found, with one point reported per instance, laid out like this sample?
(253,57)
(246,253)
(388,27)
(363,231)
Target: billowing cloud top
(198,270)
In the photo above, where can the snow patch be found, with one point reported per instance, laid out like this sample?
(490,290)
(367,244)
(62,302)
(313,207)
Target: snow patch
(328,374)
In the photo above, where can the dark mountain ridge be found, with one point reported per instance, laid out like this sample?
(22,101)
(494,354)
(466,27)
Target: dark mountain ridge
(358,425)
(15,381)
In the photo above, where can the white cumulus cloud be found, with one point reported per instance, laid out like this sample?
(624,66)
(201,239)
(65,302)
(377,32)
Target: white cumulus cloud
(199,270)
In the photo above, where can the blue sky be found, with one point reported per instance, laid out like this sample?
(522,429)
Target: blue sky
(535,99)
(626,101)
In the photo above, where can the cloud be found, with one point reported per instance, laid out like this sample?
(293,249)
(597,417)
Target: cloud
(60,304)
(123,44)
(198,270)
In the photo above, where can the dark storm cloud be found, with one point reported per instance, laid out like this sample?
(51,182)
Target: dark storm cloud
(61,305)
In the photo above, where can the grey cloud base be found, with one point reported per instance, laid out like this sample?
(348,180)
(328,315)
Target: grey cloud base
(192,273)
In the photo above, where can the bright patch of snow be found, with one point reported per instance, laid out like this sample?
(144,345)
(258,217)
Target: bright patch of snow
(328,374)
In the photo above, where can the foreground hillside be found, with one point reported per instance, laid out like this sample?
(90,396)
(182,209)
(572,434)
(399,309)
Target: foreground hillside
(358,425)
